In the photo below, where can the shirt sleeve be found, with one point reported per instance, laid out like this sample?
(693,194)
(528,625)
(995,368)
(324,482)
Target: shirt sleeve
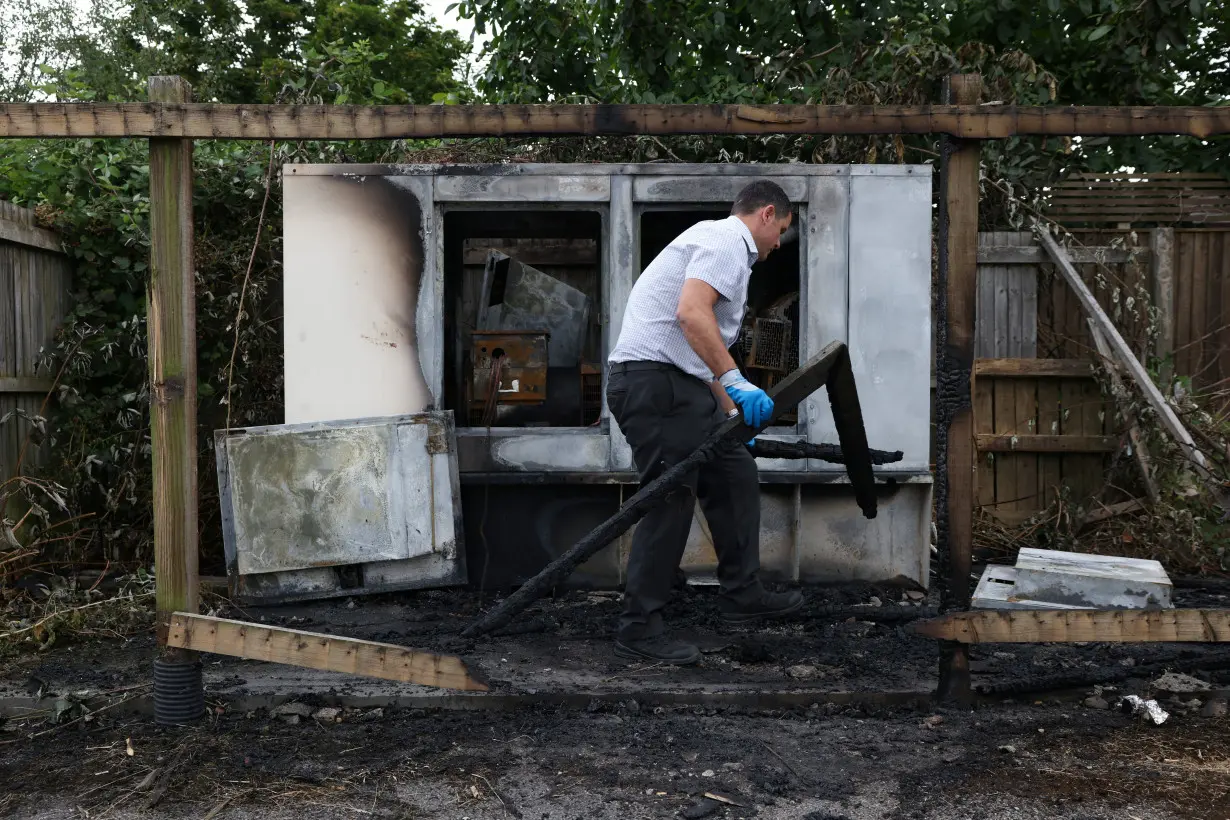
(719,266)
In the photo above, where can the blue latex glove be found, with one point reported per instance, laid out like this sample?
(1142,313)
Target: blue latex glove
(756,405)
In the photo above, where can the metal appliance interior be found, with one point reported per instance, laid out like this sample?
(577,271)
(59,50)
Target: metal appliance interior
(391,272)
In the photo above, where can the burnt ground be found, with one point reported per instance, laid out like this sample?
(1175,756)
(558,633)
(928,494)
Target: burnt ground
(1033,749)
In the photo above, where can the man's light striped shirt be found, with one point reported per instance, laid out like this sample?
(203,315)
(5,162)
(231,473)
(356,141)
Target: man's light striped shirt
(718,252)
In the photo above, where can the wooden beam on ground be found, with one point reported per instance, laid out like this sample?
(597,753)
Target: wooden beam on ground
(1080,625)
(959,271)
(1008,443)
(1035,368)
(351,122)
(1033,255)
(331,653)
(1125,356)
(171,327)
(1119,391)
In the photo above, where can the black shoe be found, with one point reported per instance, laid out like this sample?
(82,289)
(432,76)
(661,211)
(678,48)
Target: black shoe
(658,648)
(768,605)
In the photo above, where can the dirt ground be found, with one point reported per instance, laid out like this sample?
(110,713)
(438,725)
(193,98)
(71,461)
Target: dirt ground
(620,748)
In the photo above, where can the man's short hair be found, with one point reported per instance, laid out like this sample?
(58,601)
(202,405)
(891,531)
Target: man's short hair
(758,194)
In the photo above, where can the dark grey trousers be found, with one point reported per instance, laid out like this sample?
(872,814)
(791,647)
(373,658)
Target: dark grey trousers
(665,414)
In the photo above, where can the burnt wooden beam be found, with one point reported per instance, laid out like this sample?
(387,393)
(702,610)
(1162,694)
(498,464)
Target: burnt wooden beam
(958,263)
(832,453)
(830,367)
(1079,625)
(314,650)
(183,120)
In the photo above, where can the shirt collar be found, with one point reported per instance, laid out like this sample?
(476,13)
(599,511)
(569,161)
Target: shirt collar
(744,231)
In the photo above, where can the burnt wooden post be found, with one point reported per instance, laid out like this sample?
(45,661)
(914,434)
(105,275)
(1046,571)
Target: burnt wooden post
(171,325)
(958,261)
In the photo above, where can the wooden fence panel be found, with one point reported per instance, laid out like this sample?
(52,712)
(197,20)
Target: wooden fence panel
(1059,422)
(1202,307)
(1007,298)
(34,294)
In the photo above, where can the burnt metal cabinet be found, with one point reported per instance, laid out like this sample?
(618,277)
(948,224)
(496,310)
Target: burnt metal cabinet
(373,326)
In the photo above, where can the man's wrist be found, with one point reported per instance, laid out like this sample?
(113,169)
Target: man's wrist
(730,377)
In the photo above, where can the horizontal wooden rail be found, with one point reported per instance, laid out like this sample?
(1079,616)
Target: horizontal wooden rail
(313,650)
(1007,443)
(1035,368)
(26,384)
(1033,255)
(29,236)
(1079,625)
(344,122)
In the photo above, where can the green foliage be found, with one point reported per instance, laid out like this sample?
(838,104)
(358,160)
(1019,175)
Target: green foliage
(95,194)
(241,51)
(894,51)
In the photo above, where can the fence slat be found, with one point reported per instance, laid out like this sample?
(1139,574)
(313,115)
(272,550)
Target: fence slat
(34,288)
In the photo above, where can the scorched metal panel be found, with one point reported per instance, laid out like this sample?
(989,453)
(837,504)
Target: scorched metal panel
(359,492)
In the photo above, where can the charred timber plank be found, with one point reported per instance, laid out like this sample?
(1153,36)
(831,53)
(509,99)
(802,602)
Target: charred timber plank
(831,366)
(1078,625)
(832,453)
(314,650)
(958,261)
(348,122)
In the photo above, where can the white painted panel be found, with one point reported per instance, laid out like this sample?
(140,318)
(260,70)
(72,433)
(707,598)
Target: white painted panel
(890,312)
(354,253)
(523,188)
(707,189)
(825,296)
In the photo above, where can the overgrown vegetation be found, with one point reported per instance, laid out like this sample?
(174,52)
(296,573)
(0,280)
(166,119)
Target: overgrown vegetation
(94,192)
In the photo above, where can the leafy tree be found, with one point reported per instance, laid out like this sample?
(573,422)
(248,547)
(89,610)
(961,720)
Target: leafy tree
(95,193)
(242,51)
(1096,52)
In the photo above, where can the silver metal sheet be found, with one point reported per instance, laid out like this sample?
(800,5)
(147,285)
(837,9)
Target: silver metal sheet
(535,301)
(890,312)
(571,188)
(835,543)
(510,449)
(623,254)
(825,298)
(521,169)
(707,189)
(301,497)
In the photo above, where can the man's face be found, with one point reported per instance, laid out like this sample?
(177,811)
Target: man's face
(767,228)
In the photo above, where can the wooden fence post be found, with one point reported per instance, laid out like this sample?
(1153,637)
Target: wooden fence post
(958,276)
(1161,248)
(171,325)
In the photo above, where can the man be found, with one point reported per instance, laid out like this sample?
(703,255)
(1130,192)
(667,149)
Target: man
(672,380)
